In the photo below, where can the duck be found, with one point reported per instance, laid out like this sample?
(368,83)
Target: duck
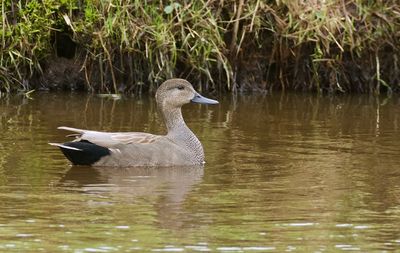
(179,147)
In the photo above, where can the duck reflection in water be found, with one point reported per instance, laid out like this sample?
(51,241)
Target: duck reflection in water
(166,188)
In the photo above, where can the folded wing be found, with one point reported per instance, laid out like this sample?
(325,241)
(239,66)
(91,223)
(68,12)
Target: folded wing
(110,139)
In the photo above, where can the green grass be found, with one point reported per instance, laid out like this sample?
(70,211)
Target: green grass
(132,46)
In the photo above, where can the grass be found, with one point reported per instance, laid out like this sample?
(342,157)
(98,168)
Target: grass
(132,46)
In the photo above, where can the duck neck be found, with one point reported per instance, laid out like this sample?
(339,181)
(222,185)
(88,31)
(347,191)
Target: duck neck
(179,132)
(174,121)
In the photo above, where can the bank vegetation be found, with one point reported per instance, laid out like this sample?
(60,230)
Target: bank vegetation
(219,45)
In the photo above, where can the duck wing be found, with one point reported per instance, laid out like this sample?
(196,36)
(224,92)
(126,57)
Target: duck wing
(111,139)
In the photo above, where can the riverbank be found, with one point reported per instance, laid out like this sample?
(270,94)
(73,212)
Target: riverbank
(132,46)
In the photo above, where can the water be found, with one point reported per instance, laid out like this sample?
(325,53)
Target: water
(284,173)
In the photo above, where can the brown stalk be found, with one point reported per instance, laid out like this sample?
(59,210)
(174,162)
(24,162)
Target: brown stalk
(233,47)
(109,63)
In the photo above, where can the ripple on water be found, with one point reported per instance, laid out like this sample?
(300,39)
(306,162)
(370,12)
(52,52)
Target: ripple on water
(290,172)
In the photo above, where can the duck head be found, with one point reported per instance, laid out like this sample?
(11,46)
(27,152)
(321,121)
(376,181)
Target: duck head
(174,93)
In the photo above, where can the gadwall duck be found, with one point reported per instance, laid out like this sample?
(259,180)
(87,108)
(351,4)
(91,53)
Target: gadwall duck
(125,149)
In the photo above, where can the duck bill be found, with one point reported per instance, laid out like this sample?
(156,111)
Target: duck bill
(203,100)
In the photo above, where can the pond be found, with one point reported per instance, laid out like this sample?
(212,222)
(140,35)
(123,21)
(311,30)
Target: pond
(283,172)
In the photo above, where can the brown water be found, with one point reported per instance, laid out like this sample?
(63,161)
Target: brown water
(284,173)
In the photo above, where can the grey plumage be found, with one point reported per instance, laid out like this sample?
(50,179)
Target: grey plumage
(179,147)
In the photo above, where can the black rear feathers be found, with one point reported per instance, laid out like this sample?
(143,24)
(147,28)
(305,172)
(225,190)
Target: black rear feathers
(83,152)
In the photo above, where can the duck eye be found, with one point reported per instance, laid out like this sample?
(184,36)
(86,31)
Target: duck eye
(180,87)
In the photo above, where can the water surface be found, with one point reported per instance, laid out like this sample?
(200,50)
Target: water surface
(284,173)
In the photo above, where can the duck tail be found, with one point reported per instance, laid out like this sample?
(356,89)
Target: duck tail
(62,146)
(82,152)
